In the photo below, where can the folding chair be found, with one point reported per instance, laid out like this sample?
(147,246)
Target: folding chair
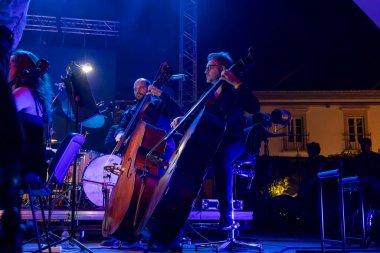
(58,168)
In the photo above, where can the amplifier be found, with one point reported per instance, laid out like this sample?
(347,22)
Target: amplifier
(213,204)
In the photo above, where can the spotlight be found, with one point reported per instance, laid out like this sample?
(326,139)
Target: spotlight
(86,68)
(75,66)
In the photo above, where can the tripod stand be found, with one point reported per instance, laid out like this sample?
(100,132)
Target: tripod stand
(230,243)
(71,238)
(243,166)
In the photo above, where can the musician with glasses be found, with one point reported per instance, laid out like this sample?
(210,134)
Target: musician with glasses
(232,98)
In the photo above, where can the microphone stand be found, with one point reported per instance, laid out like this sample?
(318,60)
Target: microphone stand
(71,238)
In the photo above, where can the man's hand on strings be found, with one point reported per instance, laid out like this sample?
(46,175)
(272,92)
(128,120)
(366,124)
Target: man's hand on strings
(154,90)
(230,78)
(118,137)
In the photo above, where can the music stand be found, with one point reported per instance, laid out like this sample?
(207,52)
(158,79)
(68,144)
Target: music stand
(82,100)
(80,95)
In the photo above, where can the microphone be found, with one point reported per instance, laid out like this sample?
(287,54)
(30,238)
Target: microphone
(178,77)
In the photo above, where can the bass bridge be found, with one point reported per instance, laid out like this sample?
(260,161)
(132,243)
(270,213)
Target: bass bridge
(114,169)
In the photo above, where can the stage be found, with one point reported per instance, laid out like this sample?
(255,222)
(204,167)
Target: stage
(97,215)
(271,243)
(272,239)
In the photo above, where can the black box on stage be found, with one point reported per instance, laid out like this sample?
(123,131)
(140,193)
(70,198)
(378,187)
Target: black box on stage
(213,204)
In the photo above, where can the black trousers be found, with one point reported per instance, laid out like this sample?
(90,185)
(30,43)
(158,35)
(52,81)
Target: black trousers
(229,150)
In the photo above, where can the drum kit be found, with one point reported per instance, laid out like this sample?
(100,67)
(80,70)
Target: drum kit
(96,175)
(91,177)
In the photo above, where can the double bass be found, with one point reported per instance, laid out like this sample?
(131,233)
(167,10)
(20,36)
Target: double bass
(139,177)
(178,188)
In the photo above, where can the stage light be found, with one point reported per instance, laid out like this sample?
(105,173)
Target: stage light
(75,66)
(280,117)
(276,117)
(86,68)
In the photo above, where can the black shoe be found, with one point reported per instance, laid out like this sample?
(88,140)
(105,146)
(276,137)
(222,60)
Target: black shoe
(110,243)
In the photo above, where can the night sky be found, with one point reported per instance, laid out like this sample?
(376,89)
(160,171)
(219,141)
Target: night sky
(315,44)
(300,45)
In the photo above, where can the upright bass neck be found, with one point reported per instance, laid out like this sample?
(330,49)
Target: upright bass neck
(130,124)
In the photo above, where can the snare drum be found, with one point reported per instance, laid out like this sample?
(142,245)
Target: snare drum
(95,178)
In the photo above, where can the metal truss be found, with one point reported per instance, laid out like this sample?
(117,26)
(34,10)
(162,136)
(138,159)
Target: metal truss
(73,26)
(188,51)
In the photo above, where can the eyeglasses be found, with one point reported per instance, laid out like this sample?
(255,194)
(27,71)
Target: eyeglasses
(208,67)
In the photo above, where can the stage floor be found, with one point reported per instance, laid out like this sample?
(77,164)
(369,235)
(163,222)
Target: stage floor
(271,243)
(290,239)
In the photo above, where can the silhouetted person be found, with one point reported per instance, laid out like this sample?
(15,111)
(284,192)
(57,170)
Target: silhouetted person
(12,22)
(32,92)
(368,165)
(369,170)
(308,192)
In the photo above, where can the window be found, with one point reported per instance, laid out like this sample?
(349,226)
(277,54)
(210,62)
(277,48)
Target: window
(355,127)
(296,138)
(356,132)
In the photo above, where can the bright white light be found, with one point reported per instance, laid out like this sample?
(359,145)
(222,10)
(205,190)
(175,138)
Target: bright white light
(86,68)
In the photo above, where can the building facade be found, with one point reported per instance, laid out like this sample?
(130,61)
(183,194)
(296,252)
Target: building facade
(336,119)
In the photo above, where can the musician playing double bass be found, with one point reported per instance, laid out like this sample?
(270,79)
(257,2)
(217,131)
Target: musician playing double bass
(232,98)
(161,110)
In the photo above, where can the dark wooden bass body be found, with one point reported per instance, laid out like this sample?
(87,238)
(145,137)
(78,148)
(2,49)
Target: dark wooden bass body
(134,188)
(174,196)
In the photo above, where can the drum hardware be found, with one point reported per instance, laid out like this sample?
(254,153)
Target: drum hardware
(99,183)
(114,170)
(61,195)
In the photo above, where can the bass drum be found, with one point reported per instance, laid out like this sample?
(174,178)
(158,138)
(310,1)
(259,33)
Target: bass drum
(95,177)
